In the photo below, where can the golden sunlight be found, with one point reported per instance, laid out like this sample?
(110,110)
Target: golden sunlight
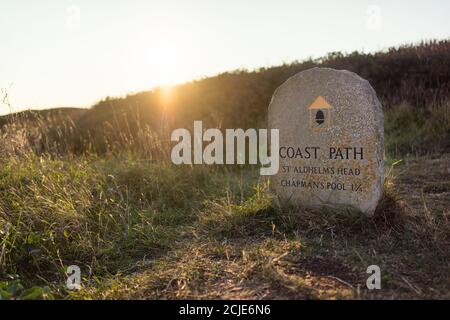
(164,56)
(166,95)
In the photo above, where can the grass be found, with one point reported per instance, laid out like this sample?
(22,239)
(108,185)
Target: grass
(91,188)
(414,132)
(146,230)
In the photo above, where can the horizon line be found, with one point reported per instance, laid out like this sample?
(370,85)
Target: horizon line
(206,76)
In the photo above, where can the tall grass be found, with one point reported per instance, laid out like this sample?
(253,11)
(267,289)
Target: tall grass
(408,132)
(412,131)
(103,214)
(123,218)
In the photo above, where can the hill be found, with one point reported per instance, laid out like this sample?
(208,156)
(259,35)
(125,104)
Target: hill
(57,114)
(412,82)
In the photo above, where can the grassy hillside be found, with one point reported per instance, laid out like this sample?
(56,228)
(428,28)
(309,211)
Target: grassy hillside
(151,230)
(33,116)
(82,187)
(412,82)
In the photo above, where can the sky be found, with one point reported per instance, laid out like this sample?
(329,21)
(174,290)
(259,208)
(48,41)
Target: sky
(60,53)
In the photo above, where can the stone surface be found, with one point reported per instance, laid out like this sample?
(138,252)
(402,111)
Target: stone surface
(331,141)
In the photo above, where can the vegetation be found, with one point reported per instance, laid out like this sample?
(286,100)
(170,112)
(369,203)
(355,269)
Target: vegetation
(91,188)
(151,230)
(412,131)
(409,78)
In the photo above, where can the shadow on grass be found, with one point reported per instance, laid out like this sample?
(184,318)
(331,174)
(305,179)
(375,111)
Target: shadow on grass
(334,245)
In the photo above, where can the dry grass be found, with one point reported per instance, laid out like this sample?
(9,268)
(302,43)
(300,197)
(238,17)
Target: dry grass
(240,247)
(145,230)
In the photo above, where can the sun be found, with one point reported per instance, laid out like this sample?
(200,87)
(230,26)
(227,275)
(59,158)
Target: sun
(166,95)
(163,61)
(164,57)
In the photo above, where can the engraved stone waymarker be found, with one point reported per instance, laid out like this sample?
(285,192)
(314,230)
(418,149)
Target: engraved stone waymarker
(331,141)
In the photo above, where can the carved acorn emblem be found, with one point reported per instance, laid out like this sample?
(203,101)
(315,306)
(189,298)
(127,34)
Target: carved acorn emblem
(320,117)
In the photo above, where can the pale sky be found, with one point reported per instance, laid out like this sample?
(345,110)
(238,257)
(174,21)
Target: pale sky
(73,53)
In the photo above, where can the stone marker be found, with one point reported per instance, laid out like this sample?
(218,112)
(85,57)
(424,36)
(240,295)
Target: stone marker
(331,141)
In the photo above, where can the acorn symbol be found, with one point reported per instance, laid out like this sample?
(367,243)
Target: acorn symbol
(320,117)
